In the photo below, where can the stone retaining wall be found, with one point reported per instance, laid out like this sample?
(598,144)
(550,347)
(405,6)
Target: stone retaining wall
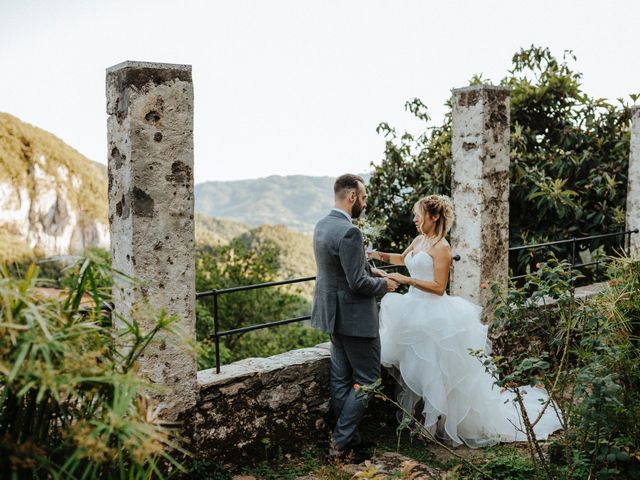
(256,406)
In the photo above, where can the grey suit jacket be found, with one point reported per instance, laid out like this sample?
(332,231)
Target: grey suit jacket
(344,299)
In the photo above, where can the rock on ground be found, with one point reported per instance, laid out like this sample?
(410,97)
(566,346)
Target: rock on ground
(387,465)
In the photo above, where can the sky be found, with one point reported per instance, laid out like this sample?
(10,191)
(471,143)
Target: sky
(287,87)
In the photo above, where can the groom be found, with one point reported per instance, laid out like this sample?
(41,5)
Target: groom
(344,306)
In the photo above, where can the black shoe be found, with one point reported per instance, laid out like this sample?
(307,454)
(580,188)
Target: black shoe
(350,456)
(364,446)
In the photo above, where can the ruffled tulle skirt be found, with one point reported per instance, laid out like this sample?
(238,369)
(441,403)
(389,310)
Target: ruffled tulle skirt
(426,341)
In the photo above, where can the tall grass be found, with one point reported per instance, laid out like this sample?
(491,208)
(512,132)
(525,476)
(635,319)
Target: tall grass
(71,404)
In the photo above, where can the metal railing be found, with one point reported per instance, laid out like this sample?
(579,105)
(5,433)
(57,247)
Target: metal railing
(575,243)
(217,334)
(215,293)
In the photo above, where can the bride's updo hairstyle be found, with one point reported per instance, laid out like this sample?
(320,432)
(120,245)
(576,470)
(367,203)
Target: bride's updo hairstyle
(440,206)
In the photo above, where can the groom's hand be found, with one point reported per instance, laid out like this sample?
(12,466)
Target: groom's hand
(391,285)
(376,272)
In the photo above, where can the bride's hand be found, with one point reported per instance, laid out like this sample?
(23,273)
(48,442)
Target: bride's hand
(398,277)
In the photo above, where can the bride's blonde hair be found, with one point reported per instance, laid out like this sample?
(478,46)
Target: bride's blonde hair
(437,205)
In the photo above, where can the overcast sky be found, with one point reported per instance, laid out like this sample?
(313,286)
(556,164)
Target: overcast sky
(295,86)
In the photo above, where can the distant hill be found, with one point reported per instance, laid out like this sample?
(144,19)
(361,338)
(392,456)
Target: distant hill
(217,231)
(296,252)
(53,200)
(296,201)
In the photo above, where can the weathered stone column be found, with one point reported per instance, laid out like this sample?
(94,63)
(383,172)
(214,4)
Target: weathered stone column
(480,189)
(150,135)
(633,185)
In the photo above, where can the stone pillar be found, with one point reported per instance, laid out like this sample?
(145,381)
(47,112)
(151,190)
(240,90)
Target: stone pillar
(480,189)
(633,185)
(150,145)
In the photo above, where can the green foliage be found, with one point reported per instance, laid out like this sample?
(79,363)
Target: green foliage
(509,465)
(71,404)
(235,265)
(281,469)
(569,158)
(586,354)
(100,260)
(413,166)
(503,462)
(295,249)
(200,469)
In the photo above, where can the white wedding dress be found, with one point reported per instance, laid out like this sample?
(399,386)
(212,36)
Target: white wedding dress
(426,338)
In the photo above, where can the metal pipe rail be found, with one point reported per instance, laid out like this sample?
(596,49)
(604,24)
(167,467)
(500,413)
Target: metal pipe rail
(217,334)
(574,243)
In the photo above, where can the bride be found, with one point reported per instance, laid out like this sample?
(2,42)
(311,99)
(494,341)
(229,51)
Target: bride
(426,336)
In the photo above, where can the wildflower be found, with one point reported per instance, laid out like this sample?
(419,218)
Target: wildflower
(537,264)
(356,387)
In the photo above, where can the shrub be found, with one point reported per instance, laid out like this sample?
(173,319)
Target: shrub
(71,405)
(586,354)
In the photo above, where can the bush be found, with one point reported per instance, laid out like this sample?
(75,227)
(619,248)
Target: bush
(587,356)
(235,265)
(71,405)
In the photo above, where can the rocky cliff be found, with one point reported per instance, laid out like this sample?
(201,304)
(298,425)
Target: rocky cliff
(53,200)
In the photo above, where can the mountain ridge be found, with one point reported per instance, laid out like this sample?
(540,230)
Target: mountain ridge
(53,199)
(295,201)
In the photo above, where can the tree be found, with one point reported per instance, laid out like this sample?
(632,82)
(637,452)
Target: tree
(234,265)
(569,158)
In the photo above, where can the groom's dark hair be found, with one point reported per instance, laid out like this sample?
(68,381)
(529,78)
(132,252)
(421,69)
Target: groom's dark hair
(346,182)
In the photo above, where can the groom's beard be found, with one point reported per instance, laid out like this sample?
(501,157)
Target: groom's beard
(357,210)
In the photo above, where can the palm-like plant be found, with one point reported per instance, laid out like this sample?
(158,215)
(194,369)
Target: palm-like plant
(71,405)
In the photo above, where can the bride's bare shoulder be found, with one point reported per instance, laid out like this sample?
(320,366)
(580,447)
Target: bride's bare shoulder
(442,248)
(444,243)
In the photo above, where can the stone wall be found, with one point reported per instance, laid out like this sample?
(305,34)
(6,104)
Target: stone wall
(256,406)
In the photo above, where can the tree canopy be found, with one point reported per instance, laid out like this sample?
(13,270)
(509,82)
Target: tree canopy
(569,159)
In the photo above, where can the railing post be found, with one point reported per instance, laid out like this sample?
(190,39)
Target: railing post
(633,183)
(150,138)
(216,330)
(480,189)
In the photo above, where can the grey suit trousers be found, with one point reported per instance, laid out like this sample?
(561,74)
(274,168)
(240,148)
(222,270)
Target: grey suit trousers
(353,360)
